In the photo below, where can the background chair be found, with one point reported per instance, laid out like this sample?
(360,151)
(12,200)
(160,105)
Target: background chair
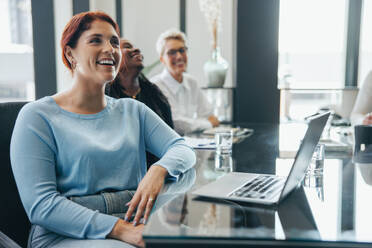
(13,219)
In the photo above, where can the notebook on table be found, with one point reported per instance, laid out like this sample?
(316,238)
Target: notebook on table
(265,188)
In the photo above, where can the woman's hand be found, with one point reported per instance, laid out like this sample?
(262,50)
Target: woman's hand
(146,194)
(128,233)
(367,119)
(214,121)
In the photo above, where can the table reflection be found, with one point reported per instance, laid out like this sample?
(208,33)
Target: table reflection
(173,214)
(365,170)
(363,205)
(315,182)
(223,162)
(173,189)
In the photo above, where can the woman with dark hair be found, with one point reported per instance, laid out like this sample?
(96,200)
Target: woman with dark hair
(78,157)
(130,82)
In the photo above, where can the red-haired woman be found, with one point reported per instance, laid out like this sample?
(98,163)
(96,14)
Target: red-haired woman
(78,156)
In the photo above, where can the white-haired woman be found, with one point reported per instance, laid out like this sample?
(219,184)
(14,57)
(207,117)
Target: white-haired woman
(191,110)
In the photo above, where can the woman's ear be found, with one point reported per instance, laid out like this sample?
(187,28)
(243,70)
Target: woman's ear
(161,59)
(68,54)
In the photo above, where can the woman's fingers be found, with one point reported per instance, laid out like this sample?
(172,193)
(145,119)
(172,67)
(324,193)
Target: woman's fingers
(147,191)
(150,204)
(133,204)
(143,209)
(140,210)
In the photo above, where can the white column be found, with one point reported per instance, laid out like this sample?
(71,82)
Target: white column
(107,6)
(62,14)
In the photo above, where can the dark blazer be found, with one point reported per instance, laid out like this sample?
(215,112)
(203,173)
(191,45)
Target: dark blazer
(150,95)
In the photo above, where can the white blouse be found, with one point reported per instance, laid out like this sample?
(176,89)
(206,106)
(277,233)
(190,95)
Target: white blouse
(363,103)
(190,107)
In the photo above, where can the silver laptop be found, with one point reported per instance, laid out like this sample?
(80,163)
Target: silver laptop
(264,188)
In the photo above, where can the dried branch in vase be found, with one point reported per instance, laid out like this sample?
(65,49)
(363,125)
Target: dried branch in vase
(214,35)
(216,67)
(212,13)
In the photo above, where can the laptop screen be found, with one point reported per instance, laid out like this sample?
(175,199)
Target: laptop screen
(305,153)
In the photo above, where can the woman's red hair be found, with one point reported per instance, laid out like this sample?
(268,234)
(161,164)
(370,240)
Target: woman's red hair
(77,25)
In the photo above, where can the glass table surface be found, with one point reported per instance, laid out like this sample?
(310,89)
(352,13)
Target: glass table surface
(333,209)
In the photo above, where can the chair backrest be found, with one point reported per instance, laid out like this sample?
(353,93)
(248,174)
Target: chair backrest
(13,219)
(6,242)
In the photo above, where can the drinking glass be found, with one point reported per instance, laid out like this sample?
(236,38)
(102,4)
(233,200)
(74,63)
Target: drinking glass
(224,140)
(316,165)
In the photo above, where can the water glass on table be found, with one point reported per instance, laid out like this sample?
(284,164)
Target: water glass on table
(223,162)
(223,140)
(316,165)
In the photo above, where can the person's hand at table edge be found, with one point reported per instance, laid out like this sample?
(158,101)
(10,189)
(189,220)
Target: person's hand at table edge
(367,119)
(214,121)
(146,194)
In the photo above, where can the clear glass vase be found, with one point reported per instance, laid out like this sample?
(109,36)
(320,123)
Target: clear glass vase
(215,69)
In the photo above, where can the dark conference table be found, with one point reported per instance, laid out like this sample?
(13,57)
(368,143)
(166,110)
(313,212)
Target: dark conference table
(333,210)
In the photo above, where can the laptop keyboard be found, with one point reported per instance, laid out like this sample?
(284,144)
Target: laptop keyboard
(261,187)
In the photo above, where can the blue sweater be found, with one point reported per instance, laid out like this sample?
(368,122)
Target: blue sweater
(56,154)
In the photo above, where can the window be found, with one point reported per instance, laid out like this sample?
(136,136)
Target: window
(365,48)
(311,54)
(16,53)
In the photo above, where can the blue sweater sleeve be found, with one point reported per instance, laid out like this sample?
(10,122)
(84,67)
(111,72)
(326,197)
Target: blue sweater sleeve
(32,154)
(165,143)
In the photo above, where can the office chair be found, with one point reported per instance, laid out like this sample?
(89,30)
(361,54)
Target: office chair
(14,222)
(6,242)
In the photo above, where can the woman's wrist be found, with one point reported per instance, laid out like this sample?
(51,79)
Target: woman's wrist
(160,170)
(128,233)
(117,230)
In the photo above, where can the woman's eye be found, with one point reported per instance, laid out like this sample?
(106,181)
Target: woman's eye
(115,43)
(127,46)
(95,40)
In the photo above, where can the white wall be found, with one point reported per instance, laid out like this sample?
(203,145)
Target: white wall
(107,6)
(144,20)
(62,14)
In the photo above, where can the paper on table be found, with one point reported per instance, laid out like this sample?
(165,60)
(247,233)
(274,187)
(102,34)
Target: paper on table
(200,143)
(237,131)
